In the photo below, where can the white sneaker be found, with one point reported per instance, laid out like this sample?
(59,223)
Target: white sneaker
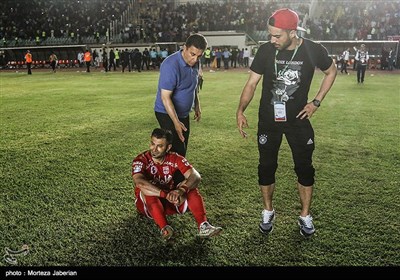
(267,223)
(207,230)
(306,225)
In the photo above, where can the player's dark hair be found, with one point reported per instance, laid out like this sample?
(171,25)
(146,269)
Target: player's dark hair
(160,133)
(196,40)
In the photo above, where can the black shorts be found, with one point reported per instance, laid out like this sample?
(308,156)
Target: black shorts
(300,137)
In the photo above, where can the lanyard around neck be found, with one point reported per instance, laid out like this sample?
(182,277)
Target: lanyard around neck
(287,65)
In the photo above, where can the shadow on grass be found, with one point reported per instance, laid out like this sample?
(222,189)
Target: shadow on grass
(135,241)
(281,248)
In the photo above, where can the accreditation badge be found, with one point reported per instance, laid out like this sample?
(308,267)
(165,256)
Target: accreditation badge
(280,111)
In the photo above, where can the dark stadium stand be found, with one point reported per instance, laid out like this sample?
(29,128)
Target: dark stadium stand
(29,23)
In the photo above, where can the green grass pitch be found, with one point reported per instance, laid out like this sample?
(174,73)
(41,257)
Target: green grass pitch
(68,139)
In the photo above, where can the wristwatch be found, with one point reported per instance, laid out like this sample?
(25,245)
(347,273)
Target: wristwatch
(316,103)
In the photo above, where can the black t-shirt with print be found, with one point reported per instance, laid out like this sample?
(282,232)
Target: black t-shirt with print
(295,74)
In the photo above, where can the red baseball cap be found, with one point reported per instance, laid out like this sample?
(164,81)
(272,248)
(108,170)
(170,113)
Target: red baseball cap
(285,19)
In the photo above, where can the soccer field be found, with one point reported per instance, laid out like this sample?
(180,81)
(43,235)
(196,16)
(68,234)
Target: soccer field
(68,139)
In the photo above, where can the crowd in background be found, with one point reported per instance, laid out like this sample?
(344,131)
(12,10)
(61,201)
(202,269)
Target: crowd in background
(27,19)
(161,21)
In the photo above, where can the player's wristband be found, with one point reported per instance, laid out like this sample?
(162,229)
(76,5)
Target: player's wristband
(163,194)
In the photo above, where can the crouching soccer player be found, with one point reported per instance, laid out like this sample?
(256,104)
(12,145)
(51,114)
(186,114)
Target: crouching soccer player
(157,196)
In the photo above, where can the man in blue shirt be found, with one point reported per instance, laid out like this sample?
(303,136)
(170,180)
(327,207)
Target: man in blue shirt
(176,93)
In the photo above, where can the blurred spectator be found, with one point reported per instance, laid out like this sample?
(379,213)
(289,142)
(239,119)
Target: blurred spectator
(88,59)
(53,61)
(28,61)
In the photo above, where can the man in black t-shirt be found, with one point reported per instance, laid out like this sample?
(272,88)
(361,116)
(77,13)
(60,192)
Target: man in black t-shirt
(286,63)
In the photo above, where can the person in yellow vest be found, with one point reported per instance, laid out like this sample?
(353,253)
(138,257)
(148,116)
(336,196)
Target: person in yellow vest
(87,58)
(116,52)
(28,61)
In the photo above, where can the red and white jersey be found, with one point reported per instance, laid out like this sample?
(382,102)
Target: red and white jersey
(160,174)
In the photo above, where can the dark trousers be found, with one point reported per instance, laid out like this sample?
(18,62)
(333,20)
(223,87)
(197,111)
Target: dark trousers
(112,64)
(300,137)
(178,146)
(29,65)
(344,67)
(124,65)
(361,72)
(146,62)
